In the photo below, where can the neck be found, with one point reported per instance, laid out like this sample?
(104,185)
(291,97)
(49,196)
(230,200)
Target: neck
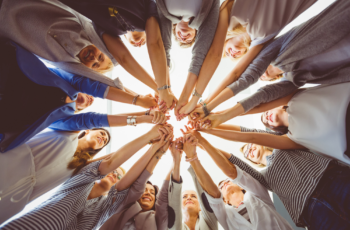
(96,191)
(190,219)
(82,145)
(263,159)
(285,119)
(232,196)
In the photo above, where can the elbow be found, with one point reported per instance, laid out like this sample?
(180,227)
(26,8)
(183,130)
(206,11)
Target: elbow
(215,55)
(231,172)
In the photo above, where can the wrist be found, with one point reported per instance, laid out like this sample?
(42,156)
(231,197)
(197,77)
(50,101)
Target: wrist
(143,119)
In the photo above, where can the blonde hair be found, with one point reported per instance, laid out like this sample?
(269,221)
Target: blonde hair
(80,160)
(239,30)
(108,68)
(183,45)
(121,168)
(260,165)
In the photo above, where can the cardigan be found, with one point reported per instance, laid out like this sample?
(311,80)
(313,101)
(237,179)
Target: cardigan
(205,22)
(36,71)
(306,40)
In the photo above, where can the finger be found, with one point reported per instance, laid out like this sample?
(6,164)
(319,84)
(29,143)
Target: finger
(159,118)
(154,117)
(173,105)
(183,132)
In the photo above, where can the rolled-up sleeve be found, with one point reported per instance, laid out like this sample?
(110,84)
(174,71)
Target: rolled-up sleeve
(175,205)
(165,29)
(82,84)
(81,121)
(162,207)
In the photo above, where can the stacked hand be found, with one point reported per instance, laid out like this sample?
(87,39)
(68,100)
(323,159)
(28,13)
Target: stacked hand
(176,149)
(159,117)
(189,145)
(148,101)
(163,144)
(167,100)
(158,131)
(211,121)
(186,109)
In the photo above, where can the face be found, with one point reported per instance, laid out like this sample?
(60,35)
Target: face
(83,101)
(110,179)
(148,198)
(274,117)
(234,47)
(136,38)
(96,139)
(271,73)
(190,201)
(184,33)
(254,152)
(93,58)
(231,193)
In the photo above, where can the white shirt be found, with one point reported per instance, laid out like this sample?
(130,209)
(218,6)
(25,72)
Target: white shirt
(184,8)
(130,225)
(260,207)
(317,119)
(34,168)
(264,19)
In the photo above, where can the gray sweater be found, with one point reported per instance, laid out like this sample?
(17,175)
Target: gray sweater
(205,22)
(310,38)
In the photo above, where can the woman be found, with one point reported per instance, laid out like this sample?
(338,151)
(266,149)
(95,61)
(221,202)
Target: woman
(192,208)
(249,205)
(80,202)
(25,79)
(314,189)
(143,209)
(242,24)
(131,18)
(305,54)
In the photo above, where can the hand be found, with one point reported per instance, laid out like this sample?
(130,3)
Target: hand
(196,125)
(158,130)
(179,105)
(191,131)
(159,117)
(147,101)
(196,114)
(189,146)
(175,152)
(168,98)
(168,140)
(211,121)
(188,108)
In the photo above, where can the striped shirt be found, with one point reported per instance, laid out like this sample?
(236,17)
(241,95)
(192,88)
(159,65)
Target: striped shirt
(292,174)
(242,210)
(69,207)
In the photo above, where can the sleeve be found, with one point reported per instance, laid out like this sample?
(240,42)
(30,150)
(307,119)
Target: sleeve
(204,38)
(250,170)
(81,121)
(268,93)
(257,67)
(250,184)
(82,84)
(247,130)
(115,199)
(165,29)
(206,211)
(152,10)
(162,207)
(175,205)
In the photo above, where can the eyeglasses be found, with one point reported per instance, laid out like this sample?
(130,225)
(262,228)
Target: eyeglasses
(119,176)
(221,185)
(247,150)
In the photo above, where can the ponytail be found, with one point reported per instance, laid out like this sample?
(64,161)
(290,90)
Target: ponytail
(79,161)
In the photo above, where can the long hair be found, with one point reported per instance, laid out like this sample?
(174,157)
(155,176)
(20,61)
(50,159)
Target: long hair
(108,68)
(156,189)
(81,158)
(235,32)
(278,129)
(260,165)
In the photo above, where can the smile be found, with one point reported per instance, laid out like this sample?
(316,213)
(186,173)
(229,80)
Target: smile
(87,54)
(146,198)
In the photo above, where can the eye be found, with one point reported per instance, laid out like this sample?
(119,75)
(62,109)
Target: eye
(100,57)
(94,65)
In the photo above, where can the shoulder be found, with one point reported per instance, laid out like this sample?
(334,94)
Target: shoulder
(227,5)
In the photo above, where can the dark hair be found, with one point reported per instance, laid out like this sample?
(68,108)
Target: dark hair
(156,189)
(81,158)
(279,129)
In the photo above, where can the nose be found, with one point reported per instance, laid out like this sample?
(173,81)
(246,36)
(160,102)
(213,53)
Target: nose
(104,138)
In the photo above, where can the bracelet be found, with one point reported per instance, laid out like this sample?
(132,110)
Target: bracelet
(135,98)
(131,120)
(191,159)
(164,87)
(196,94)
(148,112)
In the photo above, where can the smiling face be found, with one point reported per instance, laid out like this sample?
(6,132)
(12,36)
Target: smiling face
(271,73)
(148,198)
(93,58)
(83,101)
(255,152)
(96,139)
(110,179)
(234,47)
(136,38)
(232,193)
(184,33)
(274,117)
(190,202)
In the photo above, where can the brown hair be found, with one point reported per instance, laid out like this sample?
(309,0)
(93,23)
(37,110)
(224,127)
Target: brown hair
(81,158)
(156,190)
(239,30)
(260,165)
(279,129)
(184,45)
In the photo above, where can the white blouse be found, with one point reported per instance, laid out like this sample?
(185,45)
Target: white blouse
(34,168)
(184,8)
(261,210)
(264,19)
(317,119)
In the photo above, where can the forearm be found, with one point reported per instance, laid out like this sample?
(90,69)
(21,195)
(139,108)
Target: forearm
(167,178)
(118,95)
(121,120)
(154,161)
(235,111)
(130,177)
(228,127)
(189,86)
(176,171)
(223,96)
(220,160)
(205,180)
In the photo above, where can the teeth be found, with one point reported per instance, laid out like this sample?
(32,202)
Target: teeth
(87,54)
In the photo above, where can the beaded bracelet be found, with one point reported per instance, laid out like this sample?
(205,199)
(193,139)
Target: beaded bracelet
(191,159)
(135,98)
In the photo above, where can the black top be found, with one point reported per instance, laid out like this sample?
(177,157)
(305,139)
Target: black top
(116,17)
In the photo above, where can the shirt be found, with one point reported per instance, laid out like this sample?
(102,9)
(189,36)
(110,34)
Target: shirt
(186,9)
(292,174)
(69,208)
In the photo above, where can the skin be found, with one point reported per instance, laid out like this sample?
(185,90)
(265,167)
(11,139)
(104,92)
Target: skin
(148,198)
(93,58)
(190,202)
(136,38)
(232,193)
(184,33)
(271,73)
(257,154)
(93,139)
(234,47)
(276,117)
